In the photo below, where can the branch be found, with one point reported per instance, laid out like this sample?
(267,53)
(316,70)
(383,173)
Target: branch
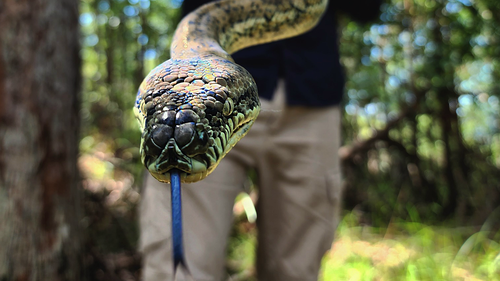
(348,152)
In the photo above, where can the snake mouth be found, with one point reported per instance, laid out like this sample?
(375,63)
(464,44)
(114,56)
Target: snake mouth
(196,167)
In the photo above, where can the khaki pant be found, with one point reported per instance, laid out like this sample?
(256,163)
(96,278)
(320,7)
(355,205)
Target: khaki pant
(294,151)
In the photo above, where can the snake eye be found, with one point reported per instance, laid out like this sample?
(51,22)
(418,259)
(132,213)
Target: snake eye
(148,108)
(228,107)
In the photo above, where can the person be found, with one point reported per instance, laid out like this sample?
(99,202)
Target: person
(293,148)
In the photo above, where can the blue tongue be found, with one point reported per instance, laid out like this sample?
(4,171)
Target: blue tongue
(175,183)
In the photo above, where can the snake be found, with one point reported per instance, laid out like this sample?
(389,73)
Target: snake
(193,108)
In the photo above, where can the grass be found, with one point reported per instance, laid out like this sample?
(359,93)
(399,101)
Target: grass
(405,251)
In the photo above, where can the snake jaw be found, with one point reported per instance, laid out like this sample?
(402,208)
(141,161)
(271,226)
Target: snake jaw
(172,157)
(191,113)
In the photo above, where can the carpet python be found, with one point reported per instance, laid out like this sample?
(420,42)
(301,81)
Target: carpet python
(193,108)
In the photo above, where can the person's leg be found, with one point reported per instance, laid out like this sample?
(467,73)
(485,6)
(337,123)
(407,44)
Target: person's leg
(299,194)
(207,217)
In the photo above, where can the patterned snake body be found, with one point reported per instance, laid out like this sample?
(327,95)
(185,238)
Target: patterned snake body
(195,107)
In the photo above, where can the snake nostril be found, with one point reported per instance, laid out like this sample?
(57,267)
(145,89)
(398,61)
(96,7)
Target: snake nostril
(184,133)
(161,135)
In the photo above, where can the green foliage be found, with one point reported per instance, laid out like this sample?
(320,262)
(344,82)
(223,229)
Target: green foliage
(242,250)
(425,78)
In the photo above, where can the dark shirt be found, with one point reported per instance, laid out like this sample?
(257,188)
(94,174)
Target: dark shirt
(309,63)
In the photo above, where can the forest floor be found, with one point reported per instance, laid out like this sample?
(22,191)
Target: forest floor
(402,251)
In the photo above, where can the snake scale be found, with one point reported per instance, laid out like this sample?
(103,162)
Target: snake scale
(193,108)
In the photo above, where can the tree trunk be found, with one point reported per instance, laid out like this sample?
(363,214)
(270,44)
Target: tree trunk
(39,87)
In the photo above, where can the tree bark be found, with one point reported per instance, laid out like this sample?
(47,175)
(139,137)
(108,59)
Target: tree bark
(39,89)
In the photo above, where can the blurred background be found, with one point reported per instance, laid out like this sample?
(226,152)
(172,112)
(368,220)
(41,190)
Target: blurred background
(421,141)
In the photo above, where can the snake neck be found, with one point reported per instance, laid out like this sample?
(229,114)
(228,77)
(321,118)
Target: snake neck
(224,27)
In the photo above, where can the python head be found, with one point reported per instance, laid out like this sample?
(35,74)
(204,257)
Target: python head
(191,113)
